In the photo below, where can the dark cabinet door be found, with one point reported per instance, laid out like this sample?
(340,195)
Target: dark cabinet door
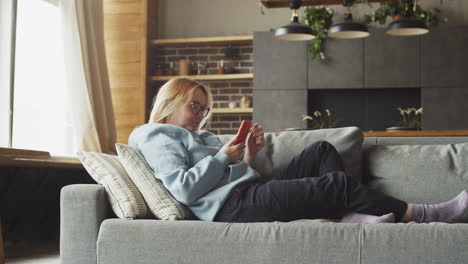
(342,68)
(391,61)
(278,64)
(445,57)
(445,108)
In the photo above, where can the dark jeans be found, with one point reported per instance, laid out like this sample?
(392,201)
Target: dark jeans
(314,185)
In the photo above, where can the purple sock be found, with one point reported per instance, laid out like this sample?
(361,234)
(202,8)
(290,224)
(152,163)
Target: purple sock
(369,219)
(447,212)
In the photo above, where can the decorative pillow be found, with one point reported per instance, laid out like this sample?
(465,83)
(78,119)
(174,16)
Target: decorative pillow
(159,200)
(125,199)
(281,148)
(419,173)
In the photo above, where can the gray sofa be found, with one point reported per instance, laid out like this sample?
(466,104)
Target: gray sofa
(413,169)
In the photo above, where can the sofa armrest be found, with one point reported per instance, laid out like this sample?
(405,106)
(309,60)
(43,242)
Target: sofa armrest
(83,207)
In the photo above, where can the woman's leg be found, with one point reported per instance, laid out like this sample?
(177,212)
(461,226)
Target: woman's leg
(315,160)
(314,185)
(330,196)
(320,158)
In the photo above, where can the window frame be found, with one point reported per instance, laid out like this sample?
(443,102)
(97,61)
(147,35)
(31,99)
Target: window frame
(11,39)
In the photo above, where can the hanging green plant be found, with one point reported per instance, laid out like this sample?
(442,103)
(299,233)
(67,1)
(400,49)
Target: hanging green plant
(430,16)
(319,20)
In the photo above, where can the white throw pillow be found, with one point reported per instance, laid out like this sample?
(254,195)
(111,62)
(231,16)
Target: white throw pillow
(159,200)
(125,199)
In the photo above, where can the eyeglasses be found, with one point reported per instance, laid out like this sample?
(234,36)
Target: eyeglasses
(197,108)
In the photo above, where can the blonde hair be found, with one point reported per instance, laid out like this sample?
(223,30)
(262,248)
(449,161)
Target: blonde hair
(174,93)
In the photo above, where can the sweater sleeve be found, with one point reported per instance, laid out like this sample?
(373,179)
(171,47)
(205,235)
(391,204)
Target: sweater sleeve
(170,164)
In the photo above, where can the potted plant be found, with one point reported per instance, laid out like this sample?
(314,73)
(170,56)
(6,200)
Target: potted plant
(321,120)
(395,9)
(411,119)
(319,20)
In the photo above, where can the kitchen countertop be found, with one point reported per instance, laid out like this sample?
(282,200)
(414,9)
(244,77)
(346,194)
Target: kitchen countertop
(422,133)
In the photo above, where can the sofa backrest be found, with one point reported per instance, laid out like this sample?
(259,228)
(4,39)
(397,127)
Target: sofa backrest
(281,148)
(417,169)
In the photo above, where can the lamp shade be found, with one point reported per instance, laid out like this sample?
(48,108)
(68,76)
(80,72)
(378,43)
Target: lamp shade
(348,30)
(407,26)
(294,31)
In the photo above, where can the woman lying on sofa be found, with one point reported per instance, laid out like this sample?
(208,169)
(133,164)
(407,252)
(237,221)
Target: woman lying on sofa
(209,177)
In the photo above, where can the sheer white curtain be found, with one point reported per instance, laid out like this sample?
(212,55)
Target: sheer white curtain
(87,76)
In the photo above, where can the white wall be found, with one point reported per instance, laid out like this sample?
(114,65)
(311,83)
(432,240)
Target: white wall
(199,18)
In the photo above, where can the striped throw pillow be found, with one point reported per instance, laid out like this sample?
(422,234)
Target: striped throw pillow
(125,199)
(159,200)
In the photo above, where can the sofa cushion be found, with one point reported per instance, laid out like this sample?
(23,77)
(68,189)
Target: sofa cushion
(419,173)
(199,242)
(414,243)
(125,199)
(160,201)
(280,149)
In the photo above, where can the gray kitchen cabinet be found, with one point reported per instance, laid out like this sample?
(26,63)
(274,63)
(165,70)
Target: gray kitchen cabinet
(278,64)
(279,109)
(445,57)
(391,61)
(342,68)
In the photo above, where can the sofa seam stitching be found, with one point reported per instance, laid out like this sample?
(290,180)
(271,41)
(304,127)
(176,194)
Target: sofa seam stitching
(360,242)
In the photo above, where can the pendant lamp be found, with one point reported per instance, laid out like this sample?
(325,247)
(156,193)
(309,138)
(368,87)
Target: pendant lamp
(348,29)
(408,24)
(294,30)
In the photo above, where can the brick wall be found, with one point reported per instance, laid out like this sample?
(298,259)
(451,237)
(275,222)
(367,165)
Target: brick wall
(224,91)
(210,54)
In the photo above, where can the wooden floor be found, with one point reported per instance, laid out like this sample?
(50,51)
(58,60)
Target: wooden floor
(33,253)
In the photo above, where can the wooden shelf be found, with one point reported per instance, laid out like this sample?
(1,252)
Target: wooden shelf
(203,40)
(36,158)
(211,77)
(285,3)
(54,161)
(427,133)
(9,153)
(232,110)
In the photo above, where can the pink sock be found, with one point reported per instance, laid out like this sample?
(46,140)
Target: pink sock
(369,219)
(447,212)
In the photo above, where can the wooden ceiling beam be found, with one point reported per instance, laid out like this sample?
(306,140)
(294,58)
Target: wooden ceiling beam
(285,3)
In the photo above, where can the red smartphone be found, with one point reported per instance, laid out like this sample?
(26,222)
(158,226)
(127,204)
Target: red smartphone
(243,131)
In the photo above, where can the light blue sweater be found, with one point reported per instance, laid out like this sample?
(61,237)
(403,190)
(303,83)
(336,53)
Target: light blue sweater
(190,166)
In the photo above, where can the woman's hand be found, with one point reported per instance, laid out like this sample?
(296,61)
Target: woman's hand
(233,151)
(255,141)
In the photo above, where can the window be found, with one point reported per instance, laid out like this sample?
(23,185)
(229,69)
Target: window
(40,112)
(5,59)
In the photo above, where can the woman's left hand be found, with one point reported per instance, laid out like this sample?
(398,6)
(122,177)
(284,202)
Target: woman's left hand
(255,141)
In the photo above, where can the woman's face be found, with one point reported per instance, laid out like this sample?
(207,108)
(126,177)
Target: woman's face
(184,117)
